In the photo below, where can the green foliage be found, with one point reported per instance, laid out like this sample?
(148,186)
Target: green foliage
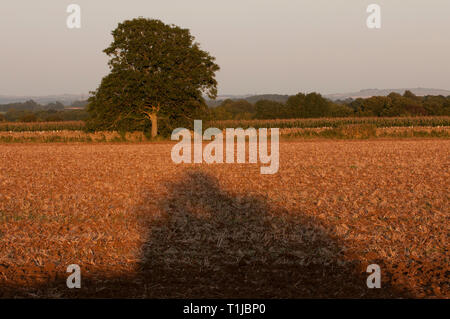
(397,105)
(266,109)
(294,105)
(31,106)
(340,110)
(28,117)
(158,72)
(298,106)
(231,109)
(336,122)
(46,116)
(436,105)
(313,105)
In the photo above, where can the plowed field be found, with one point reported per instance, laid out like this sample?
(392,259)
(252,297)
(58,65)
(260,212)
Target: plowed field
(140,226)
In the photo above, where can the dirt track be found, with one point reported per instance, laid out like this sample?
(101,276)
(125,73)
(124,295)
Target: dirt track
(141,226)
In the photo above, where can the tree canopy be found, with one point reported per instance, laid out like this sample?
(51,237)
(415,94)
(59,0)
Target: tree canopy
(315,105)
(158,72)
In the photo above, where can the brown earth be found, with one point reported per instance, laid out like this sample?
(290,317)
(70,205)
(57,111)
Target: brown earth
(140,226)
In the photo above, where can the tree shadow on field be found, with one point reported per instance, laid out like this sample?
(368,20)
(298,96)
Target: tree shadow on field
(208,243)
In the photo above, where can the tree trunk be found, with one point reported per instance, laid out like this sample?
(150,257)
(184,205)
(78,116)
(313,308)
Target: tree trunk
(154,119)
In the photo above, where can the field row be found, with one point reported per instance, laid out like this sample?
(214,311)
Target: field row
(432,121)
(344,132)
(41,126)
(287,123)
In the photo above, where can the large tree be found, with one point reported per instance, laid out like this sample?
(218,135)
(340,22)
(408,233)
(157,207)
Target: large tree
(158,72)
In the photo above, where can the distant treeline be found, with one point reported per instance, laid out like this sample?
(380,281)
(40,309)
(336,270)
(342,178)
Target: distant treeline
(252,99)
(30,106)
(30,111)
(44,116)
(313,105)
(34,106)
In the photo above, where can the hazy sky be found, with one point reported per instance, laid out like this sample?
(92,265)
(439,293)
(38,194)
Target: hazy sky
(262,46)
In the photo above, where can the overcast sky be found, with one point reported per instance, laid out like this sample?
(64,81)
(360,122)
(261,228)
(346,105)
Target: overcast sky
(262,46)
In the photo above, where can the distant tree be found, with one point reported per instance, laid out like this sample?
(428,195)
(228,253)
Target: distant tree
(157,72)
(315,106)
(29,105)
(340,110)
(436,105)
(412,104)
(446,107)
(2,118)
(410,95)
(295,104)
(231,109)
(357,105)
(221,113)
(269,110)
(408,104)
(54,106)
(376,105)
(28,117)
